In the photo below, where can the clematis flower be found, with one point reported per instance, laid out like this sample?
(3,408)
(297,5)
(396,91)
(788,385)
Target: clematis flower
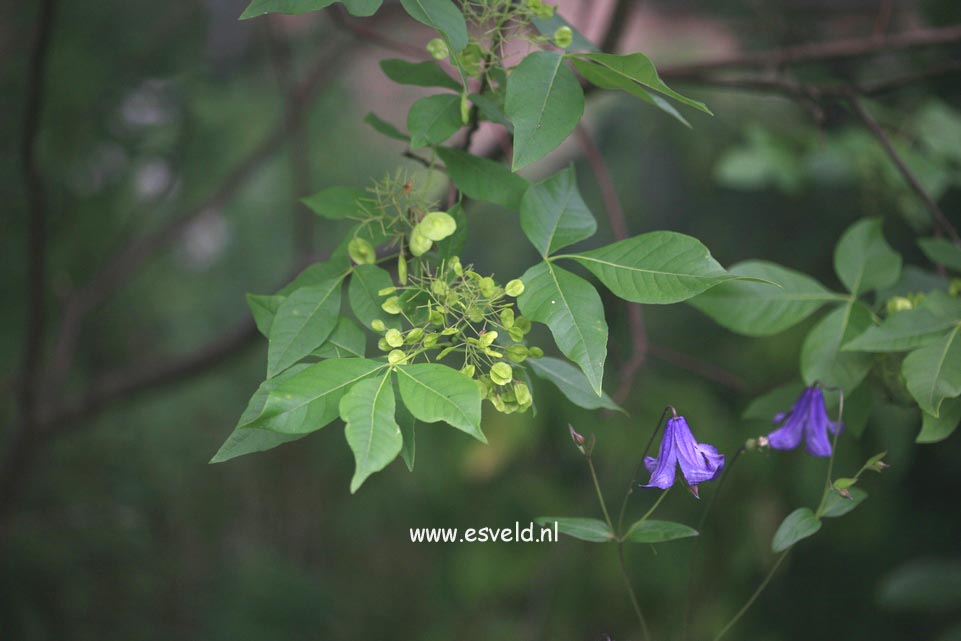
(807,420)
(699,462)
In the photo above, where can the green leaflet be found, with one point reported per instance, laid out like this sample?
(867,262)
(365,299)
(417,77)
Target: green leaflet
(757,309)
(649,531)
(821,357)
(346,341)
(799,525)
(553,214)
(360,8)
(434,393)
(307,401)
(442,15)
(571,382)
(371,430)
(590,530)
(365,282)
(544,100)
(335,203)
(572,309)
(863,260)
(659,267)
(433,119)
(483,179)
(933,372)
(303,322)
(419,74)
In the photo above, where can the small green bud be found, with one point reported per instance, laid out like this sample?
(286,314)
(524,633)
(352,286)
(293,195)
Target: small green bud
(515,288)
(955,287)
(563,37)
(402,269)
(516,334)
(517,353)
(382,345)
(487,286)
(448,331)
(469,370)
(414,335)
(498,403)
(438,49)
(396,356)
(456,266)
(507,317)
(430,340)
(485,339)
(535,352)
(475,314)
(437,225)
(493,353)
(392,305)
(361,252)
(377,325)
(394,338)
(469,60)
(419,243)
(898,304)
(387,291)
(522,393)
(501,373)
(436,317)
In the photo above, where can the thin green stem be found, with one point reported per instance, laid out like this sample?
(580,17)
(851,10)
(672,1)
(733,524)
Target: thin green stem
(630,591)
(834,448)
(600,495)
(654,507)
(757,593)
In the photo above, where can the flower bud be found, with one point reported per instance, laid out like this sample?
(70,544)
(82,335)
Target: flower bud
(436,317)
(464,108)
(501,373)
(469,370)
(382,345)
(437,225)
(487,286)
(414,336)
(377,325)
(522,324)
(396,356)
(563,37)
(438,49)
(577,438)
(507,317)
(535,352)
(394,338)
(402,269)
(456,266)
(439,288)
(493,353)
(444,352)
(386,291)
(392,305)
(430,340)
(898,304)
(361,252)
(955,287)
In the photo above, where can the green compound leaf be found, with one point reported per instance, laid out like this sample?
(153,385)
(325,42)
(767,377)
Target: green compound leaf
(572,309)
(307,401)
(408,426)
(346,341)
(863,260)
(590,530)
(303,322)
(821,357)
(360,8)
(933,372)
(912,328)
(757,309)
(799,525)
(482,178)
(571,382)
(419,74)
(545,101)
(371,431)
(838,505)
(629,72)
(439,393)
(433,119)
(553,214)
(246,441)
(935,429)
(365,282)
(942,252)
(658,532)
(335,203)
(442,15)
(660,267)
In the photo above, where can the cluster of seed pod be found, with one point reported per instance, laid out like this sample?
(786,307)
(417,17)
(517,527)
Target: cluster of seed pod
(454,312)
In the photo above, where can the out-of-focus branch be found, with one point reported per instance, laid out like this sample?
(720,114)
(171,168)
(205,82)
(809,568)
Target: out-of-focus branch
(820,52)
(340,17)
(708,371)
(940,219)
(122,265)
(618,222)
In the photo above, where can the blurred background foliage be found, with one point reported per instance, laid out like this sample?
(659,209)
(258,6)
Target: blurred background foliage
(125,532)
